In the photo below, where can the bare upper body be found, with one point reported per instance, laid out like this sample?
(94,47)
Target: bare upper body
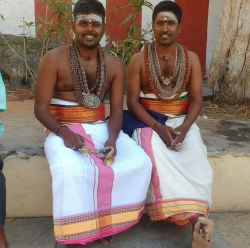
(54,80)
(165,31)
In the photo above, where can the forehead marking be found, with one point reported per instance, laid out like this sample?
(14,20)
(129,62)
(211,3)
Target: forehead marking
(90,18)
(166,15)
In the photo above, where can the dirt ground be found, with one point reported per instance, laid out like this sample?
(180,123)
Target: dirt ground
(213,110)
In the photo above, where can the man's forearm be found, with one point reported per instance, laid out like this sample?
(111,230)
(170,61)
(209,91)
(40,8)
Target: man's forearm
(114,125)
(192,112)
(139,111)
(47,120)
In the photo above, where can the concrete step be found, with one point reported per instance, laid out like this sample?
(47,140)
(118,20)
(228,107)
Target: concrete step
(231,231)
(29,182)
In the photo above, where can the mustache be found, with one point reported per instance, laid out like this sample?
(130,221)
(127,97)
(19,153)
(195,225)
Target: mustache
(89,33)
(163,33)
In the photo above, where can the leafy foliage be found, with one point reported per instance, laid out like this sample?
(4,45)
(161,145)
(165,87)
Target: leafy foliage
(136,38)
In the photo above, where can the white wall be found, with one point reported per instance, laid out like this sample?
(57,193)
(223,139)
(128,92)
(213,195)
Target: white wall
(215,14)
(14,12)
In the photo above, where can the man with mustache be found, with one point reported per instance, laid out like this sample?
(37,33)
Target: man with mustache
(166,78)
(93,165)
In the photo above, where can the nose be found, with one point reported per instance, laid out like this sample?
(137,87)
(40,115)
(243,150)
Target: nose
(165,27)
(90,27)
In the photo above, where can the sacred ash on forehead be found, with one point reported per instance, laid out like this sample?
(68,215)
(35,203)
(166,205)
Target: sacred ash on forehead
(89,18)
(168,14)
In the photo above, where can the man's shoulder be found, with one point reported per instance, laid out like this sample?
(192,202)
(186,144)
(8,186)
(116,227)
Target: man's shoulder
(57,52)
(192,55)
(193,58)
(112,60)
(138,55)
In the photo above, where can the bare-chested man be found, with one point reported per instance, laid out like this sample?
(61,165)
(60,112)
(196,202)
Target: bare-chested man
(91,185)
(166,78)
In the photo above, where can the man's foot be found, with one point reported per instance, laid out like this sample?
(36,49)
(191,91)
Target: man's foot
(203,233)
(3,241)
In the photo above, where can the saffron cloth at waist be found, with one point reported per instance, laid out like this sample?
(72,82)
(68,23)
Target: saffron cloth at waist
(77,114)
(177,107)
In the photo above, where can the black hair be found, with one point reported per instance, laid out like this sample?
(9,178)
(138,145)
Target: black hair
(89,7)
(167,6)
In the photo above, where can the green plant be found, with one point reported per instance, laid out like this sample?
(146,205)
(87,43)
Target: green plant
(53,30)
(136,37)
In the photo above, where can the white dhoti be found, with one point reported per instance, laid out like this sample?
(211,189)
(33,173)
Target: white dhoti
(181,181)
(91,200)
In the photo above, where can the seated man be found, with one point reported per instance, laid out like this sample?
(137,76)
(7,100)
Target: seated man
(3,241)
(166,78)
(91,199)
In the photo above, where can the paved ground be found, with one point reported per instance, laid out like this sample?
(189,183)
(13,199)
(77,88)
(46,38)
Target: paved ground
(232,231)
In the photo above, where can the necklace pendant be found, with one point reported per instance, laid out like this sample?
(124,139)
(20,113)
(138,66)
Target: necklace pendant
(91,100)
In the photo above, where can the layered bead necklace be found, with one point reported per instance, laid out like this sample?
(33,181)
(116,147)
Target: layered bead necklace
(86,96)
(167,86)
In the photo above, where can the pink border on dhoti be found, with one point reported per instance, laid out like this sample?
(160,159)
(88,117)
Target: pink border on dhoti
(106,174)
(145,142)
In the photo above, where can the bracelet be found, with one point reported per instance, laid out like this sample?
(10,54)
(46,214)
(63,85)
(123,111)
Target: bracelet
(58,129)
(153,124)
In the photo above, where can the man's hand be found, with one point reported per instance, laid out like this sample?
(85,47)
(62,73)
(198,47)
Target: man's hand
(71,139)
(167,134)
(111,142)
(179,138)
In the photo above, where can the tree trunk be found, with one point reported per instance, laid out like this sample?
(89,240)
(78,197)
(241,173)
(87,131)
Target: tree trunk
(230,67)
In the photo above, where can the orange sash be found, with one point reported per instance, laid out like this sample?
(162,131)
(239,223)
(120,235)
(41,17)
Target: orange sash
(77,114)
(177,107)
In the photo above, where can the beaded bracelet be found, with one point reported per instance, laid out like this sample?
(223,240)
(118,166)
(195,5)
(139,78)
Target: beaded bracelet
(57,130)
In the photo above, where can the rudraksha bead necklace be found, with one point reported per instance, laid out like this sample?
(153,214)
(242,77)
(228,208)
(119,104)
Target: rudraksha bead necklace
(88,97)
(167,87)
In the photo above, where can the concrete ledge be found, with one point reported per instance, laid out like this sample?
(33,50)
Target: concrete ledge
(29,184)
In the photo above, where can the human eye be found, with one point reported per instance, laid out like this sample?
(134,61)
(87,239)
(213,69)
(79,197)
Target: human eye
(171,23)
(160,23)
(96,24)
(83,23)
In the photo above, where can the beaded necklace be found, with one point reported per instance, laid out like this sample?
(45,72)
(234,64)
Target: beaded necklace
(88,97)
(167,87)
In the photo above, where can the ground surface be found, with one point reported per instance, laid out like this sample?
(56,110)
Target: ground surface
(232,231)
